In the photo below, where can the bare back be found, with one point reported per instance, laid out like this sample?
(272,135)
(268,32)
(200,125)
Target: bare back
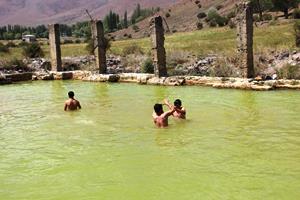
(72,104)
(161,121)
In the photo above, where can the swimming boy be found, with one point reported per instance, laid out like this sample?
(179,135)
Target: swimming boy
(72,103)
(160,117)
(180,111)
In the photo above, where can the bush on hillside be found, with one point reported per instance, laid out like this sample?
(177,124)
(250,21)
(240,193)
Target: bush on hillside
(297,32)
(3,48)
(15,64)
(33,50)
(199,25)
(289,72)
(201,15)
(135,28)
(168,15)
(148,66)
(214,17)
(267,17)
(296,13)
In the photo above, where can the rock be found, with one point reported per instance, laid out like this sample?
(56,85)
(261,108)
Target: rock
(296,57)
(156,81)
(113,78)
(62,75)
(19,77)
(284,55)
(174,81)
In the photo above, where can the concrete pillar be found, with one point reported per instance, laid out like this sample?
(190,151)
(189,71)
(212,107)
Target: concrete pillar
(55,51)
(245,38)
(158,49)
(99,44)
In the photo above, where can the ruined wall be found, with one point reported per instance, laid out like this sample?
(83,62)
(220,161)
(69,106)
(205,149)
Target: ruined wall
(158,49)
(244,22)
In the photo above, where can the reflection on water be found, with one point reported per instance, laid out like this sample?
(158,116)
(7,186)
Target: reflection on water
(234,145)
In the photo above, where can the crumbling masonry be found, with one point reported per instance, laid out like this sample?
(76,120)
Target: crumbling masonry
(245,38)
(158,49)
(55,50)
(99,45)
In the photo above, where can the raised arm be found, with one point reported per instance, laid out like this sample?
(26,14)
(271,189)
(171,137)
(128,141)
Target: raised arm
(167,103)
(168,113)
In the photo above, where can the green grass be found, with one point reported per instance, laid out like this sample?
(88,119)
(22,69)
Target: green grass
(215,40)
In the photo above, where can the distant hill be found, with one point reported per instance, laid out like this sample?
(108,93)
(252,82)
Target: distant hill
(181,16)
(35,12)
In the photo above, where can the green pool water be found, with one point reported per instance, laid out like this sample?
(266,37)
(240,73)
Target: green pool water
(234,145)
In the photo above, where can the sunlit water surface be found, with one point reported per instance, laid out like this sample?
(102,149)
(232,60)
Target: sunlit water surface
(234,145)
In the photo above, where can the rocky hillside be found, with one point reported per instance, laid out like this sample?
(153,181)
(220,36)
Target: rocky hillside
(180,17)
(33,12)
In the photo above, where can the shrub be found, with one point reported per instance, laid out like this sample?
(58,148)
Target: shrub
(222,21)
(148,66)
(199,6)
(212,14)
(256,18)
(216,19)
(201,15)
(77,41)
(135,28)
(91,48)
(32,50)
(219,7)
(168,15)
(11,44)
(22,44)
(3,48)
(231,24)
(197,2)
(212,23)
(267,17)
(68,41)
(199,25)
(15,64)
(289,72)
(297,32)
(231,15)
(132,49)
(296,13)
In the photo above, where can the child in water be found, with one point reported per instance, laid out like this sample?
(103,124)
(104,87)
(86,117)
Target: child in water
(72,103)
(180,111)
(160,117)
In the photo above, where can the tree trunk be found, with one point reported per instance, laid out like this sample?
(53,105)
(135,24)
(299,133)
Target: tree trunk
(286,13)
(259,10)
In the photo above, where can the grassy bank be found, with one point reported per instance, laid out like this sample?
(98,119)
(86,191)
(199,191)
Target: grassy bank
(216,40)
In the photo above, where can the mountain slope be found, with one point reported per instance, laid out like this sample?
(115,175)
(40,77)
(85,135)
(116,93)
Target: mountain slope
(34,12)
(181,16)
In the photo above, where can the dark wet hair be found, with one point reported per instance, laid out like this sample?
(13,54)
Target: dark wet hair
(71,94)
(177,103)
(158,108)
